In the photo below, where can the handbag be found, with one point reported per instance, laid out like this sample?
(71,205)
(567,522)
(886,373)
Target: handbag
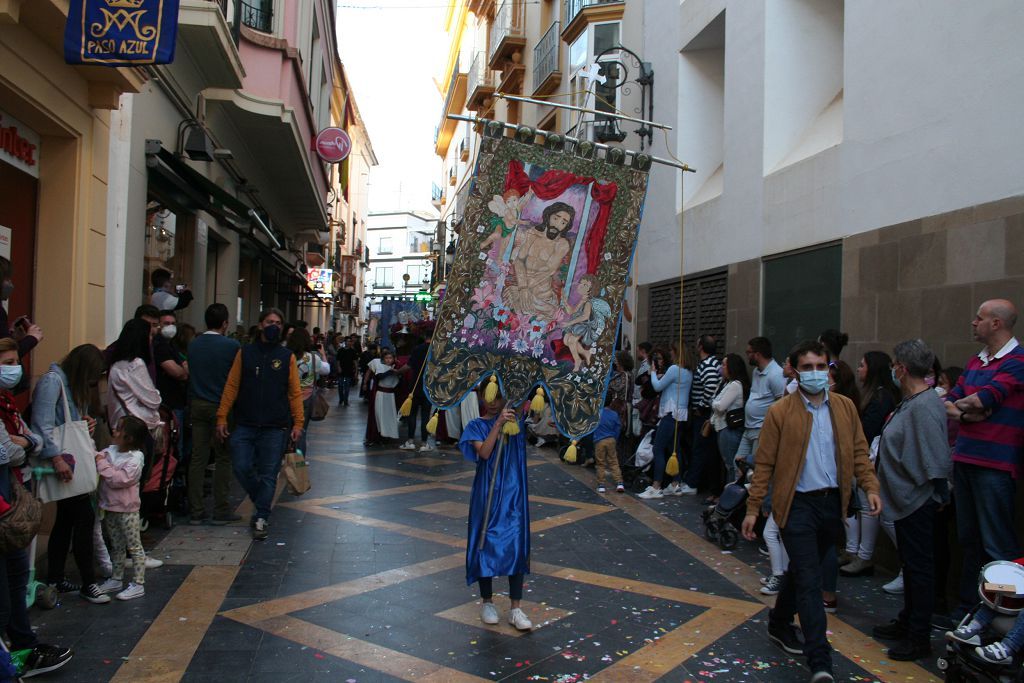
(72,437)
(320,407)
(20,524)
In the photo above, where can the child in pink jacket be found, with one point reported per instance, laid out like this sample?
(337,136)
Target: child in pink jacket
(120,470)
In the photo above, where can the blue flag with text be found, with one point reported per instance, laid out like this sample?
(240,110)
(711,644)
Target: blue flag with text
(121,32)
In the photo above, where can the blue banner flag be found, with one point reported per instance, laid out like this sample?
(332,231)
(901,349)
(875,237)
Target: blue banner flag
(121,32)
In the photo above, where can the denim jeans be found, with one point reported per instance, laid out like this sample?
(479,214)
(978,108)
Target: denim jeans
(915,544)
(256,454)
(13,607)
(814,527)
(702,450)
(344,385)
(728,442)
(1014,638)
(748,445)
(663,447)
(984,514)
(420,414)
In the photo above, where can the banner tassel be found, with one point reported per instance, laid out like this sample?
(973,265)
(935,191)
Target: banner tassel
(432,424)
(537,404)
(491,392)
(570,453)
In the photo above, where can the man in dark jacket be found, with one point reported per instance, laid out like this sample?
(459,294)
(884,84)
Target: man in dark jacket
(420,405)
(263,388)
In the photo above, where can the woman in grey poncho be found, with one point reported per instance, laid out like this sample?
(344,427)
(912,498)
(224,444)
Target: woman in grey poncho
(914,465)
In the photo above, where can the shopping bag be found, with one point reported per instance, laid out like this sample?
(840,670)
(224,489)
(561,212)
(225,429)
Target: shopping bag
(73,438)
(645,450)
(296,473)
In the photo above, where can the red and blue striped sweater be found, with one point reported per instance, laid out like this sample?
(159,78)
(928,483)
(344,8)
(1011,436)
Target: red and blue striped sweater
(997,442)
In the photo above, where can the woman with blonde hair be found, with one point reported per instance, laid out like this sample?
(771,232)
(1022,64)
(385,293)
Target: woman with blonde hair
(672,380)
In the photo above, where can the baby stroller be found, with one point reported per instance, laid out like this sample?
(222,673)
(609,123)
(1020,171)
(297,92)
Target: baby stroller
(722,520)
(158,476)
(1001,588)
(636,471)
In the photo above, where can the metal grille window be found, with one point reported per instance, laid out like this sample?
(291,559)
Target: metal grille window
(258,14)
(704,310)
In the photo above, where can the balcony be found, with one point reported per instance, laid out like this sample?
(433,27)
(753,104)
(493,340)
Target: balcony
(579,13)
(547,72)
(204,32)
(481,84)
(463,150)
(454,101)
(258,15)
(508,34)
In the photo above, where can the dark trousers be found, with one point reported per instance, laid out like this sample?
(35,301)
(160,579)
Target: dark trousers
(814,526)
(344,385)
(72,529)
(256,454)
(515,587)
(704,450)
(13,607)
(915,544)
(420,414)
(663,446)
(984,522)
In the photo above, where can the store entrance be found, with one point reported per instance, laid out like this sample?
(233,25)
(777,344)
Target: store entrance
(18,242)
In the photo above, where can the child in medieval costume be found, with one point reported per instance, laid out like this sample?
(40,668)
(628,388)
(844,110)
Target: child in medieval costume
(499,515)
(586,323)
(382,419)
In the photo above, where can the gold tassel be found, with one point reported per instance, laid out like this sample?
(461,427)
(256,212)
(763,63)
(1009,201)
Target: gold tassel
(537,404)
(491,392)
(432,424)
(672,466)
(510,428)
(570,453)
(406,408)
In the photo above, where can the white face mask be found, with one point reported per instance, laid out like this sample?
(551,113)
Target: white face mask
(168,331)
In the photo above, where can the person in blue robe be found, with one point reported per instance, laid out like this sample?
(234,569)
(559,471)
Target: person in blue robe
(504,550)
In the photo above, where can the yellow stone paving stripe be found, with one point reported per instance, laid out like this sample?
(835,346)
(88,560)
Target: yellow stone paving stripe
(164,652)
(373,657)
(260,612)
(847,640)
(565,518)
(671,649)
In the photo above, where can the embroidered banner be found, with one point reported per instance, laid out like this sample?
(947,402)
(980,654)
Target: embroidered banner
(535,294)
(121,32)
(396,315)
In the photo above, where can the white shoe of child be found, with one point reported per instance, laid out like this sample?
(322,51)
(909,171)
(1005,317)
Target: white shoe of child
(133,591)
(489,613)
(518,618)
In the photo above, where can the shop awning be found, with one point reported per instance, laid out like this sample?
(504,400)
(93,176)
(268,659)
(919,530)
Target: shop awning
(181,185)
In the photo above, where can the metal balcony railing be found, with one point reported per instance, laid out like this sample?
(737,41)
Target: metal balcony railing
(508,22)
(545,55)
(480,76)
(435,192)
(258,16)
(574,7)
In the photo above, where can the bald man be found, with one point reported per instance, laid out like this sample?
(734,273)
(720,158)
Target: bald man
(988,456)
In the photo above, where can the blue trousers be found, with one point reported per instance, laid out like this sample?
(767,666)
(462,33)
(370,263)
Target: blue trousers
(984,514)
(663,446)
(13,608)
(344,385)
(256,454)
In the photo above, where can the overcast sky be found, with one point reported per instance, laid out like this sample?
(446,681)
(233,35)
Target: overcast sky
(393,50)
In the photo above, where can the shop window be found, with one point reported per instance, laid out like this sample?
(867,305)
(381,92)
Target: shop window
(167,233)
(802,294)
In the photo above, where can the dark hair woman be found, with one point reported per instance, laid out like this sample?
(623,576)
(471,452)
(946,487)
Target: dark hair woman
(131,386)
(731,396)
(844,382)
(76,377)
(311,365)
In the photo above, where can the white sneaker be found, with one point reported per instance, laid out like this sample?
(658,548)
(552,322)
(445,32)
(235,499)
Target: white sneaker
(153,563)
(651,492)
(426,448)
(686,490)
(409,445)
(895,587)
(672,489)
(540,442)
(489,613)
(133,591)
(110,586)
(518,618)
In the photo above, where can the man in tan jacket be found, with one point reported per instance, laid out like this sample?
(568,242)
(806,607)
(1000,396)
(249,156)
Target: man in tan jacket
(811,449)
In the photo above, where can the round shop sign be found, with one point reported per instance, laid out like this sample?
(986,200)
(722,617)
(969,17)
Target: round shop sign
(333,145)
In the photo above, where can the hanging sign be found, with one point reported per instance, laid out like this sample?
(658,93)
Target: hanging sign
(121,32)
(332,145)
(19,145)
(320,281)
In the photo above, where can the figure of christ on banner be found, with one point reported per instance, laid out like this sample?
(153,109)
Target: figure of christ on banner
(536,291)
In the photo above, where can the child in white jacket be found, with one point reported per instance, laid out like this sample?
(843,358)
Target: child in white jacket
(120,469)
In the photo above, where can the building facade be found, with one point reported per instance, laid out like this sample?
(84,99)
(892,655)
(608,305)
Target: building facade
(217,177)
(56,123)
(402,256)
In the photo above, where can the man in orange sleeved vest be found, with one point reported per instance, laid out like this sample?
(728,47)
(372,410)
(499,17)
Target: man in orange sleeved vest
(263,388)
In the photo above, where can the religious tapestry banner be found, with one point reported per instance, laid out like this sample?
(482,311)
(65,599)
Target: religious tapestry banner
(535,294)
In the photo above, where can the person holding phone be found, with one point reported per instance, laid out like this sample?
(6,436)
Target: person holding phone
(26,333)
(167,296)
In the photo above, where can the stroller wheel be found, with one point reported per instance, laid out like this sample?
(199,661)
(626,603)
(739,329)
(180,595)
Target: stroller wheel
(711,531)
(46,597)
(144,524)
(728,538)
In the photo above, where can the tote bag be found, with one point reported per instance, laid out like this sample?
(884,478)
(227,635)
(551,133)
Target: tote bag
(72,437)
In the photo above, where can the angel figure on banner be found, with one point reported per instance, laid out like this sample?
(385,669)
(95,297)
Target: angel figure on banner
(507,209)
(586,323)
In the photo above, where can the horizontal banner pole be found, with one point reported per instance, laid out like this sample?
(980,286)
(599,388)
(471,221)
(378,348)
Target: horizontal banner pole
(512,126)
(559,105)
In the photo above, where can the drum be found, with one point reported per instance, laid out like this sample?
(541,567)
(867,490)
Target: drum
(1006,573)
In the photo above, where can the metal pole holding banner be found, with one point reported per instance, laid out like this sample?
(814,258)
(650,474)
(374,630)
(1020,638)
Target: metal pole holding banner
(606,114)
(490,493)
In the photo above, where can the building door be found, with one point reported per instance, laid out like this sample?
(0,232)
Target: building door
(18,216)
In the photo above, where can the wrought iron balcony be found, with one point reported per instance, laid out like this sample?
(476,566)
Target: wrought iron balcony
(508,33)
(547,74)
(481,83)
(578,13)
(258,16)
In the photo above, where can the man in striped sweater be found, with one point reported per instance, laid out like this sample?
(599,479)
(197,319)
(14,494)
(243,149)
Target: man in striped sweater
(988,456)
